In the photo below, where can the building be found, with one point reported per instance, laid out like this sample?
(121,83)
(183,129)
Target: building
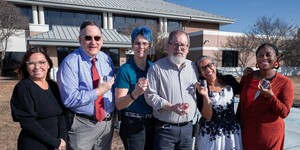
(54,24)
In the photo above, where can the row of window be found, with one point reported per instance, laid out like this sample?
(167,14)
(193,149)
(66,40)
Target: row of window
(75,18)
(13,60)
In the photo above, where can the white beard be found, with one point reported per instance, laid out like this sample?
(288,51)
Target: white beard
(177,60)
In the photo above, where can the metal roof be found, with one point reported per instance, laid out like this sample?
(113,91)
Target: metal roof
(68,36)
(151,8)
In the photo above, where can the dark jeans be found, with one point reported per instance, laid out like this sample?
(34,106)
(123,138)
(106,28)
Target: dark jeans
(137,133)
(173,137)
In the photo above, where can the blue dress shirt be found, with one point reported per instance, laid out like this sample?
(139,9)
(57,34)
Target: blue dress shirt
(74,78)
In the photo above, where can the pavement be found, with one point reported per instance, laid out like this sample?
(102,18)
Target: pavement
(292,129)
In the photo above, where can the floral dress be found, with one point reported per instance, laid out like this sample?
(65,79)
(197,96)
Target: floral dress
(222,132)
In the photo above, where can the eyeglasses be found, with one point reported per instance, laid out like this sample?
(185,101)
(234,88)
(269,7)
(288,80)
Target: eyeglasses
(89,38)
(176,45)
(33,64)
(137,44)
(209,65)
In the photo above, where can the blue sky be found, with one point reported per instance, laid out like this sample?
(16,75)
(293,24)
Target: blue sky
(246,12)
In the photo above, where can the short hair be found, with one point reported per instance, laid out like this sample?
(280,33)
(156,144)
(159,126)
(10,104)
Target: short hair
(201,58)
(176,32)
(270,45)
(144,31)
(23,73)
(88,23)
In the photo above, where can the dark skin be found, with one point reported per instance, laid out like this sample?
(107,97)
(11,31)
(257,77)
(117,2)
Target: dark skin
(265,59)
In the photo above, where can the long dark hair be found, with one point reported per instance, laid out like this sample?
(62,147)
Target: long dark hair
(23,73)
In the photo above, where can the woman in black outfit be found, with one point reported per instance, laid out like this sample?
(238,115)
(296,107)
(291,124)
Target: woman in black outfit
(36,104)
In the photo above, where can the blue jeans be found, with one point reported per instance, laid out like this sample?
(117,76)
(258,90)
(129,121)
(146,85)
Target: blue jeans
(137,133)
(173,137)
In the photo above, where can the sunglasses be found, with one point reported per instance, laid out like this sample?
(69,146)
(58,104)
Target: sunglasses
(89,38)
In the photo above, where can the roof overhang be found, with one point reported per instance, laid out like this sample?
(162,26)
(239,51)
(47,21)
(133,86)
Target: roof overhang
(49,3)
(72,43)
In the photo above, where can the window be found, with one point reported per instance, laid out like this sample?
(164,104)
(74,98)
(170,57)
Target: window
(69,17)
(53,17)
(174,25)
(11,63)
(230,59)
(80,17)
(121,23)
(26,11)
(114,55)
(62,52)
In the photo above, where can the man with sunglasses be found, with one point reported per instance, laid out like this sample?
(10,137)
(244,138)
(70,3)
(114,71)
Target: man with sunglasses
(85,79)
(172,95)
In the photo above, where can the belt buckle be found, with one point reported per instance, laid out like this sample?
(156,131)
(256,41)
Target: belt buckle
(108,117)
(148,115)
(166,126)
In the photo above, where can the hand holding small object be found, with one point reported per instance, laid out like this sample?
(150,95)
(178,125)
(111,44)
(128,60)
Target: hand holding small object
(140,87)
(201,89)
(184,106)
(264,87)
(104,86)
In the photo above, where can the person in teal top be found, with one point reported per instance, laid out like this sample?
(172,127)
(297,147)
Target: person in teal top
(137,124)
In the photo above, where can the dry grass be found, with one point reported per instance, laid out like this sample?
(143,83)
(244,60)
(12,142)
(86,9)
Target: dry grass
(9,130)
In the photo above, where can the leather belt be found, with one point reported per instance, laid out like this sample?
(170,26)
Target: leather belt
(107,118)
(163,124)
(137,115)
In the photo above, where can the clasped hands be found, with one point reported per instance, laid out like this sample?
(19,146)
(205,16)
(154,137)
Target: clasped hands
(140,87)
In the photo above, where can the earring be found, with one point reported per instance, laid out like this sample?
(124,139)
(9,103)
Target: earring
(256,66)
(276,65)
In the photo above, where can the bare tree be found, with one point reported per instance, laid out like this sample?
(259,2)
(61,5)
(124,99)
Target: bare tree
(245,47)
(10,22)
(291,53)
(266,29)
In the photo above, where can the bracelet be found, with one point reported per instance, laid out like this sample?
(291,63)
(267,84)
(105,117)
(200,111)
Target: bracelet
(130,95)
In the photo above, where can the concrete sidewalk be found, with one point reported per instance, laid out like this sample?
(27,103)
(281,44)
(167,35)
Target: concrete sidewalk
(292,130)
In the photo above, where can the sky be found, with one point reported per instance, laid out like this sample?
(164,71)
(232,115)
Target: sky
(246,12)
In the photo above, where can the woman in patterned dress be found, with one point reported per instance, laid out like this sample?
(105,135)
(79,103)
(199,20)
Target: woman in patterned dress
(219,129)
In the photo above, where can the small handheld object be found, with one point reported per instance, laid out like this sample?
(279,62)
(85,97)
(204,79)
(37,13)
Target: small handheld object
(265,83)
(105,78)
(203,83)
(184,106)
(142,80)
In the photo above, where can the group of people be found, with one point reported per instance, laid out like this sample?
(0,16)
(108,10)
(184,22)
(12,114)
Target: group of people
(157,101)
